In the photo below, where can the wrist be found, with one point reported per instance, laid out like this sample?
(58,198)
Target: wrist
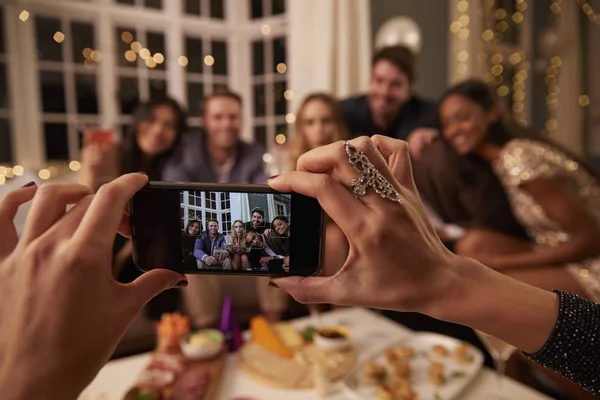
(35,385)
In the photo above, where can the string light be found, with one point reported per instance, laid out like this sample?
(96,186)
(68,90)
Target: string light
(44,174)
(24,16)
(281,138)
(183,61)
(144,54)
(288,94)
(461,30)
(281,68)
(18,170)
(265,29)
(136,46)
(130,56)
(74,166)
(159,58)
(584,100)
(551,78)
(151,63)
(96,56)
(59,37)
(589,11)
(209,60)
(127,37)
(290,118)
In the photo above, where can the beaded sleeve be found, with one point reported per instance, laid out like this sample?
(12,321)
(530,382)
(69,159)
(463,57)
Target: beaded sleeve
(573,348)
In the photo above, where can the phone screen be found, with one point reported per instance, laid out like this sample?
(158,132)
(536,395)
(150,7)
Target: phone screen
(226,230)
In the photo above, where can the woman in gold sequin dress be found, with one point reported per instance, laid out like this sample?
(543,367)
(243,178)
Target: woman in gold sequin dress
(555,196)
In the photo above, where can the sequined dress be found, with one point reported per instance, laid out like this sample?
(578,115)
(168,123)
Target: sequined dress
(523,160)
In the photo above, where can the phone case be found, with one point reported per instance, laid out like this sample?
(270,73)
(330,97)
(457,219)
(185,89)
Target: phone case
(226,187)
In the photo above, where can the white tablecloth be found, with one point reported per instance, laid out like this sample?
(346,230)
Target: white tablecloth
(370,331)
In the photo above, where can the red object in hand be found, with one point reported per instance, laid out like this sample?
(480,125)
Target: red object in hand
(101,137)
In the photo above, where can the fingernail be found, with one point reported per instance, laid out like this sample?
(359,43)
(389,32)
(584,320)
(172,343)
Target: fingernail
(182,283)
(273,177)
(273,285)
(28,184)
(141,173)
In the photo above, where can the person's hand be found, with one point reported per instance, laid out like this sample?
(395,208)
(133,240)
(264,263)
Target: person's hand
(62,311)
(395,259)
(223,256)
(264,261)
(420,139)
(99,162)
(210,260)
(267,232)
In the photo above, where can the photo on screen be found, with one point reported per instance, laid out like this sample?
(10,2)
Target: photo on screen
(229,231)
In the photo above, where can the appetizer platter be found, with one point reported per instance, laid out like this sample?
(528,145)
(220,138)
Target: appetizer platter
(185,365)
(279,355)
(427,366)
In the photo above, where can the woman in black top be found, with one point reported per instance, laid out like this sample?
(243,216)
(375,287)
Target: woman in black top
(188,238)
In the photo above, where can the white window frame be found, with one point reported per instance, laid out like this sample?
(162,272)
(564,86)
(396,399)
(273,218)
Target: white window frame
(24,85)
(223,214)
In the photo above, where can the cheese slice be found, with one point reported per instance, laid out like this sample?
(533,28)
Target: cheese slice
(264,335)
(289,335)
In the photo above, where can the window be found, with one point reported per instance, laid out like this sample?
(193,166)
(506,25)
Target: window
(90,66)
(211,8)
(140,66)
(152,4)
(266,8)
(68,60)
(206,71)
(269,87)
(216,206)
(5,123)
(280,208)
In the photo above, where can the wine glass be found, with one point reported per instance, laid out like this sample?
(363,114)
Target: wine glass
(500,352)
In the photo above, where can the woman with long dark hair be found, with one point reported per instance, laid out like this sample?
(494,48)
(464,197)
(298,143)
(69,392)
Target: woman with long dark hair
(553,194)
(147,145)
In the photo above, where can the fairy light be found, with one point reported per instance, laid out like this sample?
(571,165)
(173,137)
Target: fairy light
(136,46)
(290,118)
(130,56)
(144,54)
(281,68)
(59,37)
(460,28)
(288,94)
(44,174)
(183,61)
(127,37)
(24,15)
(209,60)
(551,78)
(159,58)
(74,166)
(584,100)
(265,29)
(281,138)
(18,170)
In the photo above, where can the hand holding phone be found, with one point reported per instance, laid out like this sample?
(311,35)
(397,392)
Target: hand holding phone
(233,224)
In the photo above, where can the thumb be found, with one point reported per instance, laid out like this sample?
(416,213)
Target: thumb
(307,290)
(153,283)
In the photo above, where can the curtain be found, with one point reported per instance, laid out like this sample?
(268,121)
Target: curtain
(329,47)
(245,207)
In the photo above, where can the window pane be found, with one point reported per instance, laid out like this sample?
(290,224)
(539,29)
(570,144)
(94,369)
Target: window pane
(57,142)
(128,93)
(48,48)
(5,142)
(130,2)
(260,135)
(256,9)
(87,96)
(158,89)
(258,57)
(280,101)
(53,92)
(154,4)
(192,7)
(219,50)
(278,7)
(4,101)
(82,38)
(2,35)
(125,37)
(216,9)
(278,52)
(193,50)
(195,95)
(156,44)
(259,100)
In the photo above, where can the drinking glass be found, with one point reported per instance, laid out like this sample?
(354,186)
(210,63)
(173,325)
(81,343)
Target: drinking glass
(501,352)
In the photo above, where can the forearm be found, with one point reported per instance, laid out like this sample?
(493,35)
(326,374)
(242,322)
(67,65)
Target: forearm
(481,298)
(574,250)
(35,384)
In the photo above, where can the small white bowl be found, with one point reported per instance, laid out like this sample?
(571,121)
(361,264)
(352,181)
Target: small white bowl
(206,351)
(323,340)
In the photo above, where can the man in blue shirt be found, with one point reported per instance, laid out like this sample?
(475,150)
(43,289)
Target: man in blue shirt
(391,107)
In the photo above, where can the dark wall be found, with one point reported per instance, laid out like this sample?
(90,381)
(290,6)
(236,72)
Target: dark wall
(432,17)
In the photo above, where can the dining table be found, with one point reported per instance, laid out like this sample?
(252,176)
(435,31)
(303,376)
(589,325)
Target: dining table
(370,331)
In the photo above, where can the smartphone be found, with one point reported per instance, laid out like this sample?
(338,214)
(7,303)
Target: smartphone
(198,228)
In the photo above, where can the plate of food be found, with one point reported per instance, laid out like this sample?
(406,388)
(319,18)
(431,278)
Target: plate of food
(279,355)
(426,366)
